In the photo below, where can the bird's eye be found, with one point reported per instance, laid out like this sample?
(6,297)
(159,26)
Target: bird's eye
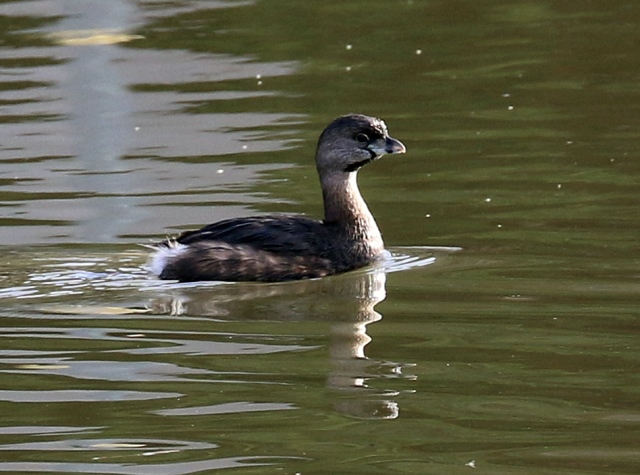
(362,138)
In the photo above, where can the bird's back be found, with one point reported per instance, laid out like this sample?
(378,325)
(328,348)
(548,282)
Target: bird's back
(262,248)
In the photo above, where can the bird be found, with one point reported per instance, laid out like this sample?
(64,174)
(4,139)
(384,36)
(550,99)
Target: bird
(277,248)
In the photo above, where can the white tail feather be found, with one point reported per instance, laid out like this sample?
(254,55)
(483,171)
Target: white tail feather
(159,260)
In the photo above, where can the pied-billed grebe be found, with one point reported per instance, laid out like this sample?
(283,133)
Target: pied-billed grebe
(280,247)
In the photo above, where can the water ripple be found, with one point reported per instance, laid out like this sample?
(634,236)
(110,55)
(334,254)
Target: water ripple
(80,395)
(57,275)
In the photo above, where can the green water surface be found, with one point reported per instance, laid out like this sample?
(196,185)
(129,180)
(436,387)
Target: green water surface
(502,336)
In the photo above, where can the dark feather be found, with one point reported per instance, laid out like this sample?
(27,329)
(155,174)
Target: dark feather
(281,234)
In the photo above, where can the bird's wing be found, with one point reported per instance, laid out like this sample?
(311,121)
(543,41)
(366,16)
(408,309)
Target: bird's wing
(281,234)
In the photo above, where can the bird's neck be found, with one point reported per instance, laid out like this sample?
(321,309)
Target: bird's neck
(345,207)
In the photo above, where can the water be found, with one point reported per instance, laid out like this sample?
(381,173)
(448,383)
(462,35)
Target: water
(500,337)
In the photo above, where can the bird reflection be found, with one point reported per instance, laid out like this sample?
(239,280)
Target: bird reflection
(347,302)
